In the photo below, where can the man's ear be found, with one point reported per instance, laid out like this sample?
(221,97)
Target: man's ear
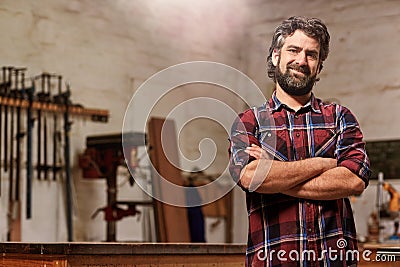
(275,57)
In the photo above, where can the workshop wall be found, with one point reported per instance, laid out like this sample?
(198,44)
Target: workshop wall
(107,49)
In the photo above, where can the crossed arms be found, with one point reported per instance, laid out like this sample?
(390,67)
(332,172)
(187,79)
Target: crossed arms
(313,178)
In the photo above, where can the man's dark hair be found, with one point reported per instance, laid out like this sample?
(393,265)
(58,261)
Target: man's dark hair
(312,27)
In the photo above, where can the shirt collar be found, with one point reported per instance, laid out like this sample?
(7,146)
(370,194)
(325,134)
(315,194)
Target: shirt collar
(276,104)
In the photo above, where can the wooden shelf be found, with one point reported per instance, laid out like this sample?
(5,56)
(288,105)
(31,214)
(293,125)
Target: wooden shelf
(99,115)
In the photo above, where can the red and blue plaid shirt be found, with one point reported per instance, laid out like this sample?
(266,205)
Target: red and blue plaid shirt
(288,231)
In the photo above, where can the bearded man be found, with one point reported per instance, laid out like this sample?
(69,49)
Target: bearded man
(299,159)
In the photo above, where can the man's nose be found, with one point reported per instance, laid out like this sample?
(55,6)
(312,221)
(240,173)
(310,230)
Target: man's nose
(301,59)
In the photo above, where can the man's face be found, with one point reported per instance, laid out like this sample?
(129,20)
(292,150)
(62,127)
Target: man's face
(297,64)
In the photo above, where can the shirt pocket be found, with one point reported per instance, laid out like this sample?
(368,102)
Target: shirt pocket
(275,142)
(325,140)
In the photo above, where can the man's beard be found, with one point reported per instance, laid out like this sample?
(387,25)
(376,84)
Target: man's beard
(292,83)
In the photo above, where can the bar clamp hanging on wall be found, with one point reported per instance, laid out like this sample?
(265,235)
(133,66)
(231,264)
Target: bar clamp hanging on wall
(42,107)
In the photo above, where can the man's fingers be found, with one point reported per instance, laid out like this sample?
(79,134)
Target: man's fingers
(256,151)
(254,154)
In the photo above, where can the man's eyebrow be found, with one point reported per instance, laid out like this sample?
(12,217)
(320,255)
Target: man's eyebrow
(312,51)
(294,46)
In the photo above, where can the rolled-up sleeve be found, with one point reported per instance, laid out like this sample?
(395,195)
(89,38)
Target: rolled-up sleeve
(243,134)
(350,149)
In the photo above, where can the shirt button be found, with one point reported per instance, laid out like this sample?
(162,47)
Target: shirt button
(297,134)
(296,116)
(309,229)
(308,204)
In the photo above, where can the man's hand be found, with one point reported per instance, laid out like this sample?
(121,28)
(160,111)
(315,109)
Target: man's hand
(312,178)
(257,152)
(265,175)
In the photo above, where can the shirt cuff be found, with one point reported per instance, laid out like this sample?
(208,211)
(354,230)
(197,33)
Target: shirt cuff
(358,168)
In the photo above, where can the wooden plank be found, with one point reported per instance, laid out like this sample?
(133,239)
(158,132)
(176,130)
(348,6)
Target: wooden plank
(215,209)
(172,221)
(26,260)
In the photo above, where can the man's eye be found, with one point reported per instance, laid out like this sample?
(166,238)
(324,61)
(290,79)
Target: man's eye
(313,56)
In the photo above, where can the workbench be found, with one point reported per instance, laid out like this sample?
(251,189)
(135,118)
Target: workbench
(106,254)
(120,254)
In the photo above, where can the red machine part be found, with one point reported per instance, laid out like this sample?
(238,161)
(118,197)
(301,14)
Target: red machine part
(97,163)
(115,213)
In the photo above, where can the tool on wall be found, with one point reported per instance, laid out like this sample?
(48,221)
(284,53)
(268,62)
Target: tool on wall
(40,98)
(2,94)
(15,113)
(45,130)
(67,164)
(56,133)
(30,92)
(20,108)
(9,161)
(17,94)
(6,108)
(21,95)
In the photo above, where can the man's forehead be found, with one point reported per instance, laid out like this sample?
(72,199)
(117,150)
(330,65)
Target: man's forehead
(301,39)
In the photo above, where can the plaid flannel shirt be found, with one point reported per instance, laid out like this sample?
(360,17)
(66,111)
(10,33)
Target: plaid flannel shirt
(305,232)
